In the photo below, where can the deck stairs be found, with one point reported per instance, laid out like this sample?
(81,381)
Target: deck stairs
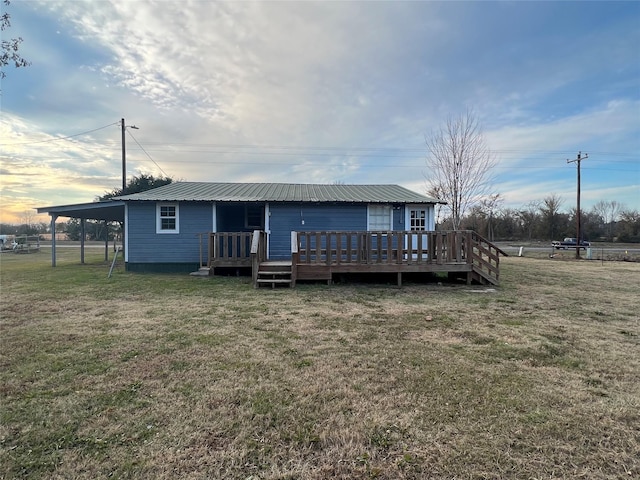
(482,277)
(274,274)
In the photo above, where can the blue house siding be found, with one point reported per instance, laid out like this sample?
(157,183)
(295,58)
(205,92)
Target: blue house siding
(148,250)
(288,217)
(145,246)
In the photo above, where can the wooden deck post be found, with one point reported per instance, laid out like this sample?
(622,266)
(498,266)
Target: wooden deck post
(255,257)
(295,256)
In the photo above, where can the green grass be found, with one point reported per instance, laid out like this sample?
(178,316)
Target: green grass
(172,376)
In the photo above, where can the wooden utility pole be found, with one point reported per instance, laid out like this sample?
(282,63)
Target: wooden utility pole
(124,154)
(124,160)
(578,238)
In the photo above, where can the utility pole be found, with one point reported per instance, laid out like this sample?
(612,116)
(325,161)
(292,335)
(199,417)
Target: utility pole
(124,155)
(578,238)
(124,159)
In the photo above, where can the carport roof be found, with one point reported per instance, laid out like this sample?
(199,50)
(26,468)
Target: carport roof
(111,210)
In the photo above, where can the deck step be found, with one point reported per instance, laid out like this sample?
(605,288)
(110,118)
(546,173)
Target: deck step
(274,273)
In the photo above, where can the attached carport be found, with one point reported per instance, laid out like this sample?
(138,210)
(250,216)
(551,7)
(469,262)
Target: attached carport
(109,211)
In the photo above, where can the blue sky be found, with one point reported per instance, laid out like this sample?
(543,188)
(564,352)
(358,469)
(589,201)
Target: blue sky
(322,92)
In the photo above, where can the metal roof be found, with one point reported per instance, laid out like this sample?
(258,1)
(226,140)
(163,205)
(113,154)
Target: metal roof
(111,211)
(279,192)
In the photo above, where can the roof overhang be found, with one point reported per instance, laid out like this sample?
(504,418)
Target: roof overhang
(110,211)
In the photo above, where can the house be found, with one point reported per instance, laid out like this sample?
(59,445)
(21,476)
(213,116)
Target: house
(312,231)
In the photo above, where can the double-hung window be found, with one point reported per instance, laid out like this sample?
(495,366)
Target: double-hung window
(167,218)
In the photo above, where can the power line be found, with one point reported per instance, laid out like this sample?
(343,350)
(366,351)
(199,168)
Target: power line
(57,139)
(309,150)
(146,153)
(532,167)
(301,149)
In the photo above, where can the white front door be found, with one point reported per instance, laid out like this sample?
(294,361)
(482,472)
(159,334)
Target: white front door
(417,221)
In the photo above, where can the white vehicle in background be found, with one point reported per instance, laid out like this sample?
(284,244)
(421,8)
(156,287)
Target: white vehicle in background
(20,243)
(7,242)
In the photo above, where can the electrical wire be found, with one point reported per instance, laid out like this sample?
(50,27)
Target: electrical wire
(330,151)
(147,154)
(61,138)
(285,163)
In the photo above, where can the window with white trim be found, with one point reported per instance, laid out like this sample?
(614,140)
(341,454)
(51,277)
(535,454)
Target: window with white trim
(417,220)
(167,218)
(380,218)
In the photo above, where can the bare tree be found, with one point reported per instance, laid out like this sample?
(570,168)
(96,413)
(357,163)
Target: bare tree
(528,218)
(490,205)
(459,165)
(629,228)
(10,47)
(25,227)
(609,212)
(553,220)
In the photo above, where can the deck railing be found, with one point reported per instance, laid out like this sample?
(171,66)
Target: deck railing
(230,249)
(392,247)
(454,251)
(258,252)
(486,258)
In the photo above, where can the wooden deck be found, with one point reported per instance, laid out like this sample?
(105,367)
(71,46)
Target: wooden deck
(321,255)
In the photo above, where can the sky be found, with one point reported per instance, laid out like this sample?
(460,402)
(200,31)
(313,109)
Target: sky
(317,92)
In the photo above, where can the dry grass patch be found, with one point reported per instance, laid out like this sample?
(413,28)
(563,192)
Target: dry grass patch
(168,376)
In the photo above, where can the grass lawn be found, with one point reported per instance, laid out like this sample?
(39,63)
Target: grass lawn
(172,376)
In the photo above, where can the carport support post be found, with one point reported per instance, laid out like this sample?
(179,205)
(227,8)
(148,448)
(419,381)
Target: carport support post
(106,241)
(53,239)
(82,240)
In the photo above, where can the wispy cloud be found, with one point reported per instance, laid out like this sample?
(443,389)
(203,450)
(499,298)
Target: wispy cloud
(215,85)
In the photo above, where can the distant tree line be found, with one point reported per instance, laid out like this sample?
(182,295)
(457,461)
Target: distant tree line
(94,230)
(546,220)
(24,228)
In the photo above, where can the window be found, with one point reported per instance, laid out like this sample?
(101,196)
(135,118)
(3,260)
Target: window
(418,220)
(253,217)
(167,220)
(380,218)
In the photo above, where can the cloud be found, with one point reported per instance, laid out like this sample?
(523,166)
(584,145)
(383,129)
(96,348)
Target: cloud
(271,71)
(610,122)
(237,91)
